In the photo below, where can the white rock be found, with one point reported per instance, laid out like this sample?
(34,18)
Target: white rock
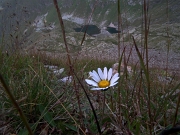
(67,79)
(58,72)
(51,67)
(164,79)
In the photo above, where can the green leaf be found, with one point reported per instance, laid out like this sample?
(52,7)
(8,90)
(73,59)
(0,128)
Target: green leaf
(23,132)
(72,127)
(47,115)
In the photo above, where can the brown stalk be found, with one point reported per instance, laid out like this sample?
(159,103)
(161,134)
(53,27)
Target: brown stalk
(177,107)
(143,67)
(68,55)
(88,23)
(168,38)
(119,22)
(89,19)
(14,102)
(119,100)
(146,27)
(93,110)
(63,32)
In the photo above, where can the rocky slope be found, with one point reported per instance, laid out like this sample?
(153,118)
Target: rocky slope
(34,24)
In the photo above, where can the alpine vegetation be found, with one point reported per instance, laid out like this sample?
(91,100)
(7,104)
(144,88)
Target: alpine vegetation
(122,79)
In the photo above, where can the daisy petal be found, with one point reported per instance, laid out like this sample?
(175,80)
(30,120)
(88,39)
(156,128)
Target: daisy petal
(105,88)
(90,74)
(96,89)
(94,76)
(114,78)
(100,73)
(109,74)
(113,84)
(105,73)
(90,82)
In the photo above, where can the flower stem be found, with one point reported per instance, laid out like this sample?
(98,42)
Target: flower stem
(94,113)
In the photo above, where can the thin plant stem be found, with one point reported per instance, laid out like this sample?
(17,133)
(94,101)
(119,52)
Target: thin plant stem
(168,38)
(147,81)
(88,23)
(94,113)
(168,45)
(11,97)
(119,90)
(146,27)
(111,100)
(177,107)
(120,59)
(89,19)
(68,56)
(63,32)
(104,101)
(78,99)
(119,21)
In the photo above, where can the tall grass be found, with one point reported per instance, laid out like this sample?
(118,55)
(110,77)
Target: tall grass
(141,103)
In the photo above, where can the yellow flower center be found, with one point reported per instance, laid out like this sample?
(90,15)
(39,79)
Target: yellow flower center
(103,83)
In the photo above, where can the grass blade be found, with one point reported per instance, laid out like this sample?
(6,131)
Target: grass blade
(16,105)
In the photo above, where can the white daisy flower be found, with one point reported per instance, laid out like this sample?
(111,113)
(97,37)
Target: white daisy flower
(102,80)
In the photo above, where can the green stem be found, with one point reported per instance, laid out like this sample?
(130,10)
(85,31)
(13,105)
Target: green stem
(104,102)
(176,113)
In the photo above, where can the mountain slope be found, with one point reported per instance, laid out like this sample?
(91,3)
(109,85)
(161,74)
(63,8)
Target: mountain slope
(28,23)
